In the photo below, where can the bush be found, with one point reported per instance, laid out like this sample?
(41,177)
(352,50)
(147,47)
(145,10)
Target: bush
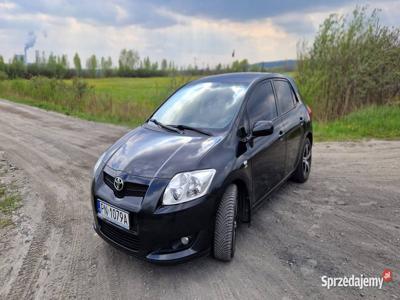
(80,88)
(3,75)
(353,62)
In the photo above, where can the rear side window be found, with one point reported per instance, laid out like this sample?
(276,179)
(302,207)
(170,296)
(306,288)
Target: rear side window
(284,93)
(261,105)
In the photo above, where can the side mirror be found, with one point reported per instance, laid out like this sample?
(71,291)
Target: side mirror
(262,128)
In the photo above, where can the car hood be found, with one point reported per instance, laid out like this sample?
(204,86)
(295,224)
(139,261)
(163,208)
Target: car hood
(152,153)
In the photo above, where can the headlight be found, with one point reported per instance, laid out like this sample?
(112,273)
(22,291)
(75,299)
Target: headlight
(98,163)
(188,186)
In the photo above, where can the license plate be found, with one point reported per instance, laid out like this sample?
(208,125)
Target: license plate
(113,214)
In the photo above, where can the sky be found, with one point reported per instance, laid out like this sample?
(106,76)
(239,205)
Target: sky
(187,32)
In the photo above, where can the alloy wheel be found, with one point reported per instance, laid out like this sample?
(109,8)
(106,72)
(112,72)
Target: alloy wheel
(306,163)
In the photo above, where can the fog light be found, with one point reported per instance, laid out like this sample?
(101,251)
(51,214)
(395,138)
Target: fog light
(185,240)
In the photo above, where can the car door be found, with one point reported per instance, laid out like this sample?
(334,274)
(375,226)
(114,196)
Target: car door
(267,157)
(289,110)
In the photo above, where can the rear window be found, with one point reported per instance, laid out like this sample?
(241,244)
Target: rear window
(261,105)
(284,93)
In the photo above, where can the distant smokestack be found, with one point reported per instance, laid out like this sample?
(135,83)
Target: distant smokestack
(30,42)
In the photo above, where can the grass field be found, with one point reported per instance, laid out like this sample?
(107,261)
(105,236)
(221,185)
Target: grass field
(380,122)
(129,101)
(125,101)
(141,90)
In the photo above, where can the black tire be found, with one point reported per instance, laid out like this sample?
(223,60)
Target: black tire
(303,169)
(225,225)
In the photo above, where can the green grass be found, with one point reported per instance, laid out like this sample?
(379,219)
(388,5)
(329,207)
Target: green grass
(125,101)
(378,122)
(291,74)
(141,90)
(9,202)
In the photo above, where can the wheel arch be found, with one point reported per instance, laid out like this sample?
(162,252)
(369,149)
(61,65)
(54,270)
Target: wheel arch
(244,206)
(309,135)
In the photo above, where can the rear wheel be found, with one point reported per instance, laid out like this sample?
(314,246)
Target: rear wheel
(304,166)
(225,225)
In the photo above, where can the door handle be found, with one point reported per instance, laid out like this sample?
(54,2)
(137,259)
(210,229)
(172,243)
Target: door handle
(281,132)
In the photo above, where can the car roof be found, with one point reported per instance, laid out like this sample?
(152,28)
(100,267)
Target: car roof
(246,78)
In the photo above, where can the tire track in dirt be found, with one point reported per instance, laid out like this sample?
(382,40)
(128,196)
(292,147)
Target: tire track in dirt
(29,271)
(45,140)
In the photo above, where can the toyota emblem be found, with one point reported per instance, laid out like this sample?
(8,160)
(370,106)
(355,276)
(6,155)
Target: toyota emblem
(118,184)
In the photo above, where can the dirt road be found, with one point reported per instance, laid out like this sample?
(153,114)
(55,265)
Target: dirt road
(345,220)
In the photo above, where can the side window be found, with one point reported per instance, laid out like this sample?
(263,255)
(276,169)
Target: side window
(284,93)
(261,105)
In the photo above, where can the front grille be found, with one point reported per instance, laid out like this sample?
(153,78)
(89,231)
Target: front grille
(130,188)
(120,236)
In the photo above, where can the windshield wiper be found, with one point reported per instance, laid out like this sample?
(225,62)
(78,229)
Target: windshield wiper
(165,126)
(183,127)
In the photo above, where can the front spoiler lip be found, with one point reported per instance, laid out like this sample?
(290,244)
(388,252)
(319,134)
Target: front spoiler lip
(154,257)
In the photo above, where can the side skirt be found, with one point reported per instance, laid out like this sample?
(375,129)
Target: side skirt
(276,187)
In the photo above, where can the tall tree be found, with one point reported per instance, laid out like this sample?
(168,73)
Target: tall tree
(106,65)
(164,65)
(52,65)
(17,67)
(38,59)
(2,64)
(171,66)
(91,65)
(128,59)
(44,58)
(77,64)
(64,61)
(146,63)
(154,66)
(62,66)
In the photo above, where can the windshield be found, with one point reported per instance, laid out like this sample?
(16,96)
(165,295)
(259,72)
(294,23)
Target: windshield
(209,105)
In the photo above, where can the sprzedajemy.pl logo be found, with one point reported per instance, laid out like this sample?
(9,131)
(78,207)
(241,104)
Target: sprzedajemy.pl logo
(357,281)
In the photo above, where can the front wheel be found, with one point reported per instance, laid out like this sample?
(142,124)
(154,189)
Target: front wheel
(303,169)
(225,225)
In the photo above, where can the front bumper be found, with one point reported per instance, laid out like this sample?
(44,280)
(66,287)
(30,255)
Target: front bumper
(156,230)
(200,245)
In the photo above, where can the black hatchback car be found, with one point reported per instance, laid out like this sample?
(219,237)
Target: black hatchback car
(178,186)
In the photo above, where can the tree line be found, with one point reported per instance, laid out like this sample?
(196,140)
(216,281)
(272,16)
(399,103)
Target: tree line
(129,64)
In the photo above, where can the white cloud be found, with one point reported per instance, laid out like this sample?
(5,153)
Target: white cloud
(7,5)
(122,14)
(209,41)
(184,40)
